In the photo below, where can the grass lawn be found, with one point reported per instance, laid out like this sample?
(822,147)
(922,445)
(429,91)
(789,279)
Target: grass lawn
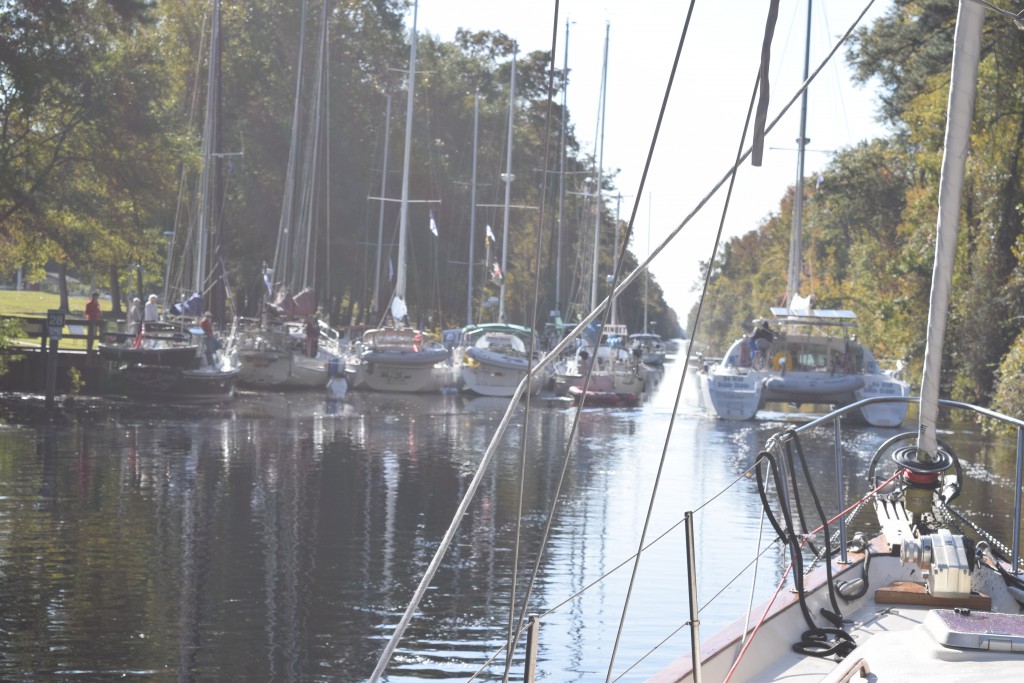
(15,302)
(36,304)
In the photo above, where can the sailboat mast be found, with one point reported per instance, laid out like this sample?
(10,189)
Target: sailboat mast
(383,198)
(205,204)
(561,175)
(647,271)
(796,234)
(317,147)
(508,178)
(403,216)
(219,289)
(283,251)
(963,84)
(600,164)
(472,209)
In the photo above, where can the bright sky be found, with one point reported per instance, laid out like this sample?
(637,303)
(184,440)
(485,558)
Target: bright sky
(706,110)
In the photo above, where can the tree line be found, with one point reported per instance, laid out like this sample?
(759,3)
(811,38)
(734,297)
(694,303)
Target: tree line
(101,110)
(869,218)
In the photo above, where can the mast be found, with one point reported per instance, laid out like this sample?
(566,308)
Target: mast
(508,178)
(963,84)
(795,246)
(206,204)
(282,254)
(218,294)
(647,271)
(383,197)
(600,164)
(561,176)
(398,306)
(472,209)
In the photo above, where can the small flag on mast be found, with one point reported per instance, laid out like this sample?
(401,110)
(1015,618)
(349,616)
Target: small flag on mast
(489,238)
(433,223)
(496,274)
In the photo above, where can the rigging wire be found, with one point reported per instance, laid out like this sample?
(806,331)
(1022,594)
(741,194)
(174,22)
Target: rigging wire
(601,310)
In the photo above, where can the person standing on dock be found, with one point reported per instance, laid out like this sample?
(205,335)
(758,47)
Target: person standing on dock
(92,316)
(135,323)
(152,312)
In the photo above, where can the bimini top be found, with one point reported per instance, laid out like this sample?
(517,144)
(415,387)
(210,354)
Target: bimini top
(815,316)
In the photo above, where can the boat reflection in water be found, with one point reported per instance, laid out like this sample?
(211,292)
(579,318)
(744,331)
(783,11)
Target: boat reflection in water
(276,537)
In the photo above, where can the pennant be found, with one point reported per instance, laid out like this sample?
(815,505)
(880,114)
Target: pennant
(433,223)
(489,238)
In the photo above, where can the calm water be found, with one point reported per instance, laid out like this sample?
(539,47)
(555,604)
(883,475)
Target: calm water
(280,538)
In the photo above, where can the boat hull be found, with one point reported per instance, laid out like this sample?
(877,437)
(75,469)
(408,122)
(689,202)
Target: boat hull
(174,356)
(414,372)
(494,374)
(736,389)
(609,399)
(264,368)
(165,384)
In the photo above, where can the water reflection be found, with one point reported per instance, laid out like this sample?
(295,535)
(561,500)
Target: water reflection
(281,537)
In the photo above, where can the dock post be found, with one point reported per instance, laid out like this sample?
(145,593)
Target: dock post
(691,575)
(532,638)
(54,329)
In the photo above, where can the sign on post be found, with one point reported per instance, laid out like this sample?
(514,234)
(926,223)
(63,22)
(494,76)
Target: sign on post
(54,323)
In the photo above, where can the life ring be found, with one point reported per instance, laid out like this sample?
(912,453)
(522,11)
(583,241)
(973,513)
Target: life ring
(779,357)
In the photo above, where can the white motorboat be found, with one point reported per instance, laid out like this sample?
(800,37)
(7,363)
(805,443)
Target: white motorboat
(493,358)
(815,358)
(398,360)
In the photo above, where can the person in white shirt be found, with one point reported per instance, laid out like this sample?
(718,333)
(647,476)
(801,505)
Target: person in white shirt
(152,313)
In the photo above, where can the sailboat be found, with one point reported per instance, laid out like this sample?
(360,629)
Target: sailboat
(813,356)
(648,345)
(602,369)
(400,358)
(176,360)
(290,347)
(924,592)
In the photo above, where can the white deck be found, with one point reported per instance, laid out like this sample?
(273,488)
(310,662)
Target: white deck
(892,642)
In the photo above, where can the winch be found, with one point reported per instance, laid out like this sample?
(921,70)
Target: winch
(945,559)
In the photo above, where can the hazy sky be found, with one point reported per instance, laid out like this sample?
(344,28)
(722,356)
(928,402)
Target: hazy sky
(706,110)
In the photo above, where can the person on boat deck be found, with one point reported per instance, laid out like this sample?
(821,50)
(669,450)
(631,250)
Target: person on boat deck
(584,364)
(152,312)
(209,340)
(763,337)
(312,336)
(854,355)
(135,317)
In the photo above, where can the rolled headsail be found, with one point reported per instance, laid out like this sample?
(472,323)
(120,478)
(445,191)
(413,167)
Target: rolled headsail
(962,87)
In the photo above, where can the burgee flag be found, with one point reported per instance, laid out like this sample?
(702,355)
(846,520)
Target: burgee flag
(490,236)
(433,224)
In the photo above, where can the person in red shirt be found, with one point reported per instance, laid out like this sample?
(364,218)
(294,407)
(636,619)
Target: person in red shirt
(92,309)
(92,315)
(209,341)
